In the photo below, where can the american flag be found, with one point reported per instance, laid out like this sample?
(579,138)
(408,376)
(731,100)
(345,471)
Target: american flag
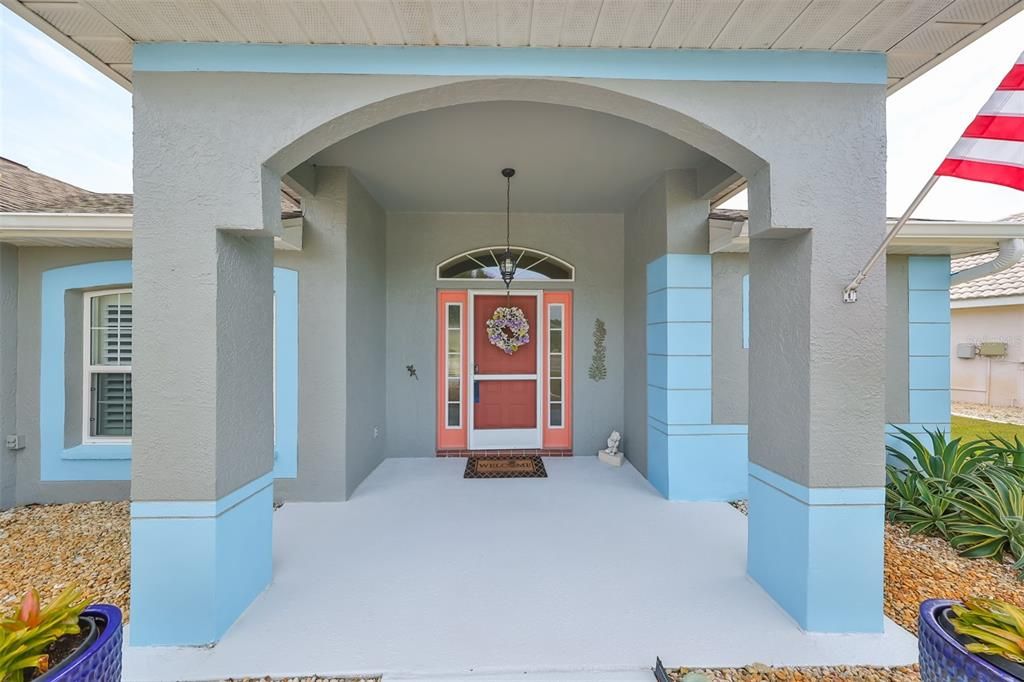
(992,148)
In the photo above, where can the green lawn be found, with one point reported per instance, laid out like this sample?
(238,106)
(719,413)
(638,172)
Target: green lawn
(979,428)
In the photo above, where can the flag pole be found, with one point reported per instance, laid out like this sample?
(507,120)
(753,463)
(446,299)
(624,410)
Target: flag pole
(850,292)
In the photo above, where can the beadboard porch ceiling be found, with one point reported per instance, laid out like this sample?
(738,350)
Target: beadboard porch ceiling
(916,35)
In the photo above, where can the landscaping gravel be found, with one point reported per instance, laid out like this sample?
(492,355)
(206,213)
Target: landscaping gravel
(763,673)
(51,546)
(1006,415)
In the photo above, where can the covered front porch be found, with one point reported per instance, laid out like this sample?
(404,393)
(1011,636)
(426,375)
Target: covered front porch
(425,573)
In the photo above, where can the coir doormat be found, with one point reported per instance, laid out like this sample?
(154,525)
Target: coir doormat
(512,466)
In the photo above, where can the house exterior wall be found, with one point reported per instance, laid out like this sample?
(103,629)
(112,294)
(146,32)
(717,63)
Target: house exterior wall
(729,357)
(417,242)
(33,262)
(989,380)
(645,241)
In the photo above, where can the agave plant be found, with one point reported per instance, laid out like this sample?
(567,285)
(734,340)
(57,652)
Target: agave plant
(997,626)
(991,519)
(944,460)
(1004,450)
(25,636)
(919,501)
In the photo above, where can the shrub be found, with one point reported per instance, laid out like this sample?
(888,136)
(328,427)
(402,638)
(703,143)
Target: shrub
(25,636)
(918,501)
(944,460)
(991,516)
(997,626)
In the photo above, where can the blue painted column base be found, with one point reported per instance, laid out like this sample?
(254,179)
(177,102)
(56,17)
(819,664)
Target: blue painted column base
(818,551)
(698,463)
(688,457)
(196,566)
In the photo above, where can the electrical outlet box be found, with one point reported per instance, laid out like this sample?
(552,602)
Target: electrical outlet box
(966,351)
(15,442)
(992,349)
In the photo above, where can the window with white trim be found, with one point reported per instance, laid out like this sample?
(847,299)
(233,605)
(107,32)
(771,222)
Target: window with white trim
(453,353)
(107,384)
(556,355)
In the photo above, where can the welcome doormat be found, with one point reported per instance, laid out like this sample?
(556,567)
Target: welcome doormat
(512,466)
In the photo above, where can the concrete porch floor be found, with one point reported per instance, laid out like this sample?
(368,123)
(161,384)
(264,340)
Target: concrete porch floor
(424,573)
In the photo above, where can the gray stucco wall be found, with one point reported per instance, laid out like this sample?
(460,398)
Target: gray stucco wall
(322,266)
(417,242)
(728,356)
(897,341)
(8,368)
(32,262)
(644,240)
(729,360)
(366,326)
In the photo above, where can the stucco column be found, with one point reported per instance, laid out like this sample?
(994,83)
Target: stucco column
(8,367)
(688,457)
(817,390)
(202,458)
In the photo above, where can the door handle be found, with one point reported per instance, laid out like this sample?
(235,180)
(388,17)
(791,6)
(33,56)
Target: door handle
(476,369)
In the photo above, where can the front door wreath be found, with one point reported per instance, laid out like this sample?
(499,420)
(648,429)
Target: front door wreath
(508,329)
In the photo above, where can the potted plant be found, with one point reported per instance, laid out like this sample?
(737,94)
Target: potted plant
(980,639)
(65,640)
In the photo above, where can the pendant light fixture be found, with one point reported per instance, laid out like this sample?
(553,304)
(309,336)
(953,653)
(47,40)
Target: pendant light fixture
(507,262)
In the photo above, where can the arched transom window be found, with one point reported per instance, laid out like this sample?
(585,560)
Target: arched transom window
(482,264)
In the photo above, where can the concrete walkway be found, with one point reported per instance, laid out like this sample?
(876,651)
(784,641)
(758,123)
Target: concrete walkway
(424,573)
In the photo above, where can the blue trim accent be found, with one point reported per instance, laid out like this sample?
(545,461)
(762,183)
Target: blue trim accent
(866,495)
(197,565)
(688,457)
(928,272)
(150,509)
(929,339)
(286,358)
(818,552)
(112,461)
(684,338)
(929,306)
(929,330)
(679,371)
(746,311)
(929,372)
(787,66)
(84,462)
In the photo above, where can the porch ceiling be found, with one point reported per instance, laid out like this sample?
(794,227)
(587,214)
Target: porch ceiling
(567,159)
(916,35)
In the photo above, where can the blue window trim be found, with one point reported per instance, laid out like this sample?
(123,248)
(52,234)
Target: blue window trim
(286,352)
(112,461)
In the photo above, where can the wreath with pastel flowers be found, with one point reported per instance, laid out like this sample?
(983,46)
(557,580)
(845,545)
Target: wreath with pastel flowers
(508,329)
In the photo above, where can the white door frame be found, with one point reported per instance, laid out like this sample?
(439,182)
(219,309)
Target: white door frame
(506,439)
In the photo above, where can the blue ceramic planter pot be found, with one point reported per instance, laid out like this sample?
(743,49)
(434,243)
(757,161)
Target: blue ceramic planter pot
(943,658)
(100,661)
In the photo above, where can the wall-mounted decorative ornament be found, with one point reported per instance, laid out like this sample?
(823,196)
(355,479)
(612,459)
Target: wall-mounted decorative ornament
(598,370)
(508,329)
(411,369)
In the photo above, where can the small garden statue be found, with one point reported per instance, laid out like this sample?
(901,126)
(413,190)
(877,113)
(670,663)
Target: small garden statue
(611,454)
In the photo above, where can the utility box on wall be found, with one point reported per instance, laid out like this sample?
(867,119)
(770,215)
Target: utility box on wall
(966,351)
(992,349)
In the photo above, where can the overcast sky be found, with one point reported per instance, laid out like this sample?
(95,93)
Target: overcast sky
(63,118)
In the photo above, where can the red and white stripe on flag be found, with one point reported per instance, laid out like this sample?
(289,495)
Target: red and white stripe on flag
(992,148)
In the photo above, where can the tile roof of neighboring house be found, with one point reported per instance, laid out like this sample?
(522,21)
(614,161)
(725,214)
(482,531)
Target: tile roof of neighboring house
(1009,282)
(23,190)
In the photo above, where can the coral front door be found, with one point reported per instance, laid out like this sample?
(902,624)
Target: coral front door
(505,407)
